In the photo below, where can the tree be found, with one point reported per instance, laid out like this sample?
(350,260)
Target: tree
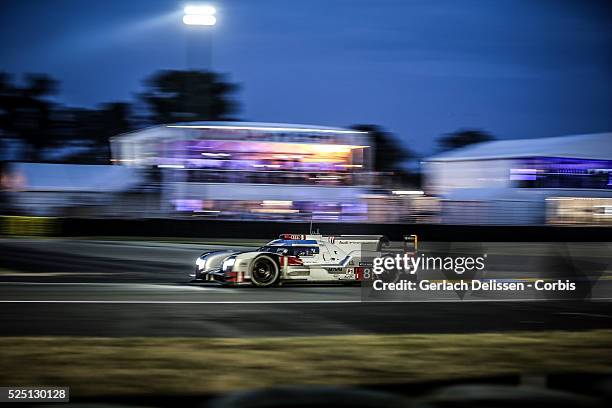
(25,114)
(94,128)
(463,137)
(389,153)
(171,96)
(179,96)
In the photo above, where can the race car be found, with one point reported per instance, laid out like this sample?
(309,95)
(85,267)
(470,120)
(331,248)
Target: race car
(293,257)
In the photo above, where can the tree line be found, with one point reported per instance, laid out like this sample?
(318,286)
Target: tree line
(29,114)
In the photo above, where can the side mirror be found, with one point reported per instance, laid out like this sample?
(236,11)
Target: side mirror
(411,244)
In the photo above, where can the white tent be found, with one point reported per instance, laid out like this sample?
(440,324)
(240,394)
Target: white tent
(477,186)
(596,146)
(73,177)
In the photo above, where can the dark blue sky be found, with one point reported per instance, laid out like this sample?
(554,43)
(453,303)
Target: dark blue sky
(419,68)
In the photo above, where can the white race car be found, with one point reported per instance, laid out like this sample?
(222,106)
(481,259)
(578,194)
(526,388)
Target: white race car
(293,257)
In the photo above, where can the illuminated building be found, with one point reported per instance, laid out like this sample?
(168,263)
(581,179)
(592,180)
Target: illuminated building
(255,170)
(557,180)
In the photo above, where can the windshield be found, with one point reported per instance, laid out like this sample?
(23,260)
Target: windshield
(290,250)
(274,249)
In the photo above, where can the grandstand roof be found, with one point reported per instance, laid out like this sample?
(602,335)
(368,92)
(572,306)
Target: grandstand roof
(597,146)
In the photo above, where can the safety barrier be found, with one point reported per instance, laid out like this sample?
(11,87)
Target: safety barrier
(159,227)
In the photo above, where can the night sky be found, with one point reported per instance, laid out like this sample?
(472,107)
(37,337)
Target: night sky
(418,68)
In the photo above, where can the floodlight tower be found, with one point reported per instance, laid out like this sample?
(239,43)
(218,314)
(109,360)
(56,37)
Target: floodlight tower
(201,16)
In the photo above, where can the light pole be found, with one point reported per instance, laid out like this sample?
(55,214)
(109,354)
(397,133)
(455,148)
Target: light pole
(197,18)
(200,15)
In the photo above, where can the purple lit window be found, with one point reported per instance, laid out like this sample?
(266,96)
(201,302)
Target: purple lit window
(556,172)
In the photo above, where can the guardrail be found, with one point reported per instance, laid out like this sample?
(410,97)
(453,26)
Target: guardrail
(186,228)
(269,230)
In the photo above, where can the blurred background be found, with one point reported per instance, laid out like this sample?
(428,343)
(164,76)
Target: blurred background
(349,112)
(141,134)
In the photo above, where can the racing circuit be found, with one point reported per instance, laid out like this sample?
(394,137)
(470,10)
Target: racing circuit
(127,288)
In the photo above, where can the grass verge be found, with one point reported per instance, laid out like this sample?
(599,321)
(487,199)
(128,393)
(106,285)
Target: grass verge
(139,366)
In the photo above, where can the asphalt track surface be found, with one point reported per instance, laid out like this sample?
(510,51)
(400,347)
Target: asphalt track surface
(137,288)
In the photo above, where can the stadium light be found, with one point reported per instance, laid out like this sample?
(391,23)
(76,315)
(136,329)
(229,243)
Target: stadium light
(200,9)
(202,15)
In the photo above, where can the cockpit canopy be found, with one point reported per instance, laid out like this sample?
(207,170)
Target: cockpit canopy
(290,250)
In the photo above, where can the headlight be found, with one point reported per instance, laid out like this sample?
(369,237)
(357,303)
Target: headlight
(201,263)
(228,263)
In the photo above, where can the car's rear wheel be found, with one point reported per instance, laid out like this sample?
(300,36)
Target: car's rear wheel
(264,271)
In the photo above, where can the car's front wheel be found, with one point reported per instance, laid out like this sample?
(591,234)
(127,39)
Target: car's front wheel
(264,271)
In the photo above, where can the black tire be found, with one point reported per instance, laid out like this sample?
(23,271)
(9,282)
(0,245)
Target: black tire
(264,271)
